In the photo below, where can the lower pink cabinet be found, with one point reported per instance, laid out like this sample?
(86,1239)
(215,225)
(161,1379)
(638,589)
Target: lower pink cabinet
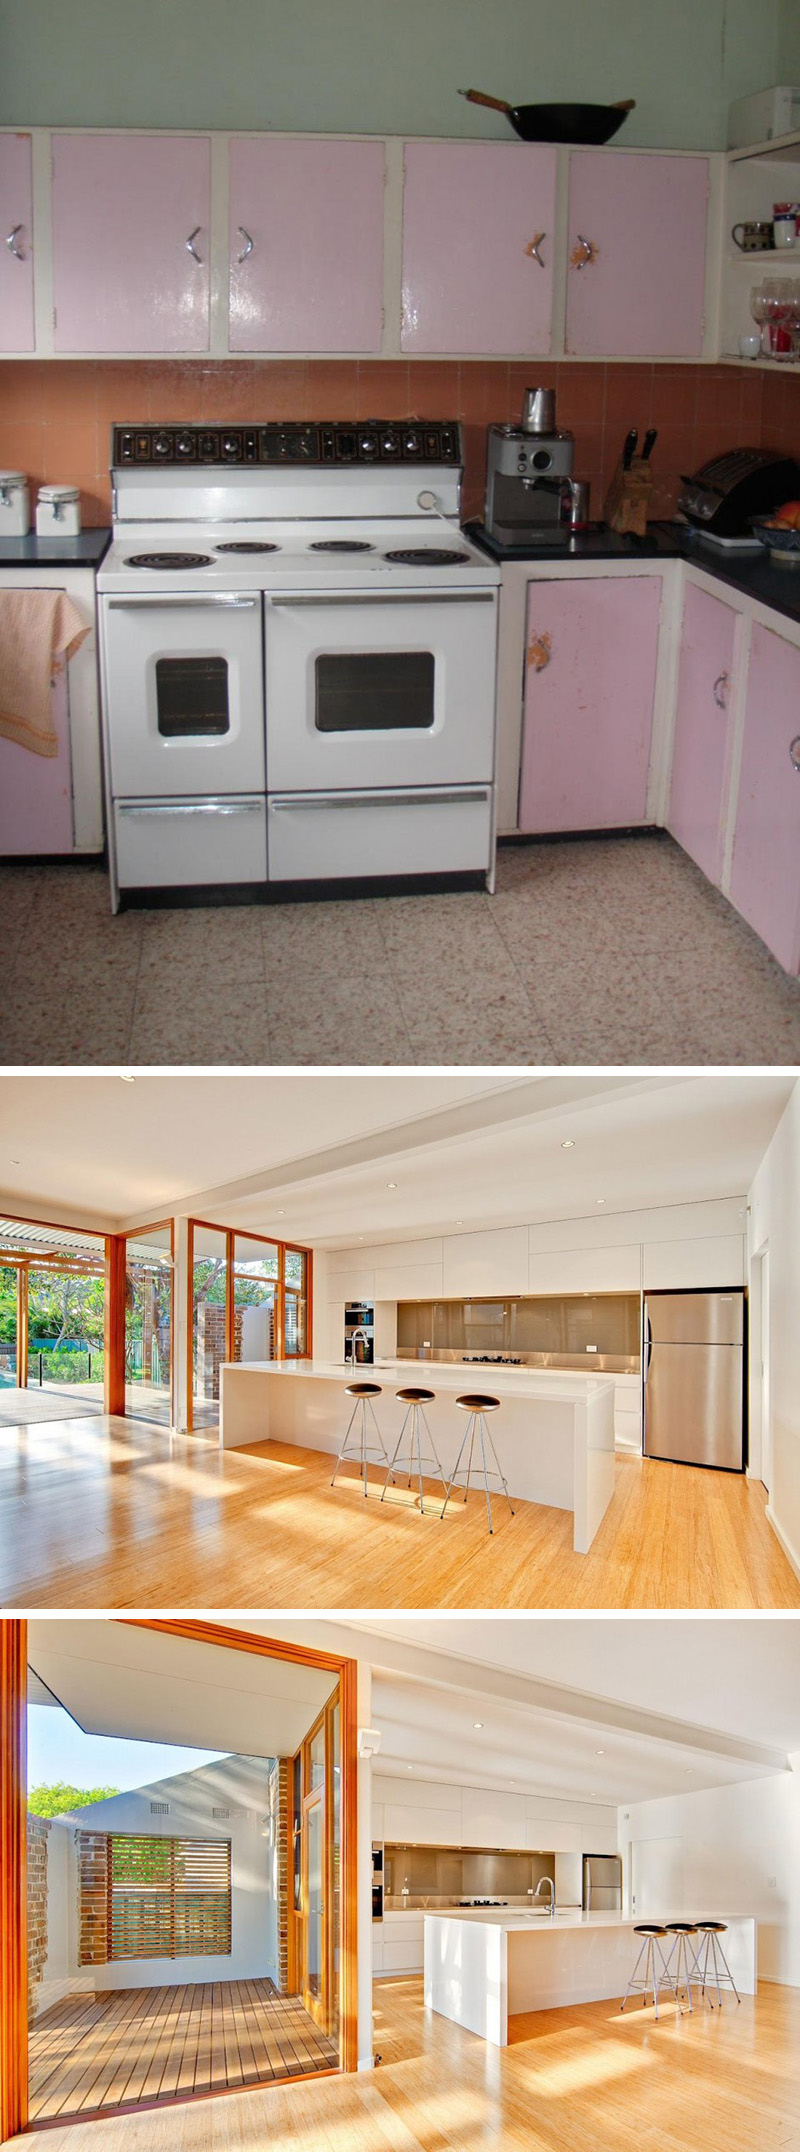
(36,790)
(701,749)
(765,874)
(592,649)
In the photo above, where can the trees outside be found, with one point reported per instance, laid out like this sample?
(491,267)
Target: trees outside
(60,1799)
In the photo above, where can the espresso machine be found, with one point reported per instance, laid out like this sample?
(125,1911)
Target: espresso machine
(530,489)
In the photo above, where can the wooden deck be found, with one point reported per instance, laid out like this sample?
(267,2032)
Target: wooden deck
(94,2054)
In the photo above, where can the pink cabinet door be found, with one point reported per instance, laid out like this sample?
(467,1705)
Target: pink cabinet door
(700,754)
(590,681)
(473,215)
(16,244)
(644,218)
(36,790)
(127,212)
(765,878)
(306,245)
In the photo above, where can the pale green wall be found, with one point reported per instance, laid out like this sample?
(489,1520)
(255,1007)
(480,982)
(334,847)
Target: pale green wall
(382,66)
(789,41)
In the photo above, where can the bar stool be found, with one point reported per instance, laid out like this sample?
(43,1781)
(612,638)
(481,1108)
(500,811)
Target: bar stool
(711,1966)
(363,1392)
(415,1401)
(477,1406)
(681,1978)
(655,1969)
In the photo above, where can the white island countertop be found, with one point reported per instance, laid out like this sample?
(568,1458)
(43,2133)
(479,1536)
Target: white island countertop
(554,1432)
(483,1966)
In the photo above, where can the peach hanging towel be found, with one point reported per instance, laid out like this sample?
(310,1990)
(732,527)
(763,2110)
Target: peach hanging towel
(39,631)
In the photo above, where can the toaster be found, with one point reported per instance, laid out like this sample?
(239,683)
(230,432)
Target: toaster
(727,492)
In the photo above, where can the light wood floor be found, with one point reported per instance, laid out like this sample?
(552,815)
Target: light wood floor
(91,2053)
(117,1513)
(580,2080)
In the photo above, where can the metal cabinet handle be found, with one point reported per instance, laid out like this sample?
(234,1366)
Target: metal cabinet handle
(720,690)
(794,753)
(385,597)
(11,243)
(156,807)
(292,802)
(583,251)
(248,244)
(165,602)
(191,248)
(532,249)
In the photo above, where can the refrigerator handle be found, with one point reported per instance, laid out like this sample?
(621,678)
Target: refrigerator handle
(648,1348)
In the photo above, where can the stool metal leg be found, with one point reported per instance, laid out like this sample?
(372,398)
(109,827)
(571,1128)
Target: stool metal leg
(681,1979)
(500,1475)
(652,1977)
(416,1412)
(454,1472)
(343,1450)
(361,1404)
(711,1948)
(490,1463)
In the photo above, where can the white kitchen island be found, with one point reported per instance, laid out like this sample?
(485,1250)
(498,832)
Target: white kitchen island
(482,1968)
(554,1432)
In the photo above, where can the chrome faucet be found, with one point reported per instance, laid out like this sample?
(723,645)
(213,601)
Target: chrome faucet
(359,1333)
(538,1891)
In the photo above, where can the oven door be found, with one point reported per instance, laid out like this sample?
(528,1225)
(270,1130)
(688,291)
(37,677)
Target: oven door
(380,689)
(184,693)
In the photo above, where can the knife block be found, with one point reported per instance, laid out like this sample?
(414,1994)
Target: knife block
(628,498)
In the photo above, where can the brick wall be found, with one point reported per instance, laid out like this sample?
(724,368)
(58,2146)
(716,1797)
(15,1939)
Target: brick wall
(211,1346)
(92,1898)
(278,1804)
(38,1833)
(56,416)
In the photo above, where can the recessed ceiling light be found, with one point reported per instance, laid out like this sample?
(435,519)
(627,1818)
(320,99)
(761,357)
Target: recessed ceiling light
(127,1079)
(14,1161)
(280,1214)
(599,1199)
(391,1184)
(599,1752)
(568,1143)
(409,1767)
(458,1221)
(593,1797)
(478,1725)
(361,1236)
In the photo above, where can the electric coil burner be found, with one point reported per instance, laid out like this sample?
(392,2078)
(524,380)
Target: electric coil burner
(311,699)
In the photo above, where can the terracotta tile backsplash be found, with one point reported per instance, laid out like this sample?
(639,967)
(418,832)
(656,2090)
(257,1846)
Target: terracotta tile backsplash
(55,416)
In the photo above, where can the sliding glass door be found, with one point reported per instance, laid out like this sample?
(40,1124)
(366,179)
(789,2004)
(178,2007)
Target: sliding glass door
(148,1323)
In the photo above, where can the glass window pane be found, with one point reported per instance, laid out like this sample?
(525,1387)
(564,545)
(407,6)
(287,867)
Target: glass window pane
(148,1325)
(192,698)
(317,1758)
(209,1286)
(375,691)
(65,1334)
(296,1268)
(255,1286)
(8,1327)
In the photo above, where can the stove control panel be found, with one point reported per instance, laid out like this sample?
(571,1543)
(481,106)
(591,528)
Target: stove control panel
(328,445)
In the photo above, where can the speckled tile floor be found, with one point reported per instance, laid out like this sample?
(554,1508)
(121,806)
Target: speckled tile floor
(613,950)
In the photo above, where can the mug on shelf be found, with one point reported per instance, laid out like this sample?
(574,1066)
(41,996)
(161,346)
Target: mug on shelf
(757,235)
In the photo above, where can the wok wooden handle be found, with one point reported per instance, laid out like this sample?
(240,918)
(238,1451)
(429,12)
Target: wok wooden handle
(478,97)
(624,104)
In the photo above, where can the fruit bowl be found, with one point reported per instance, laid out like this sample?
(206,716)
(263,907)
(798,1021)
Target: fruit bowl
(782,540)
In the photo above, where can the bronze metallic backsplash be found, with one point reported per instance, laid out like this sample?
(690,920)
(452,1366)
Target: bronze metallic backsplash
(554,1330)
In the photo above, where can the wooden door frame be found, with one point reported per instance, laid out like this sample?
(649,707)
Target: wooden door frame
(318,2008)
(13,1842)
(230,1235)
(157,1225)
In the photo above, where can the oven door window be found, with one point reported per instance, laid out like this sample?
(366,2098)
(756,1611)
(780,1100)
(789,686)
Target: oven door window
(375,691)
(192,698)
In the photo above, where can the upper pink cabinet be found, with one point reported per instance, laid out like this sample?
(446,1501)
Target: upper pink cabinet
(478,247)
(701,749)
(592,647)
(306,245)
(16,243)
(131,235)
(765,874)
(637,249)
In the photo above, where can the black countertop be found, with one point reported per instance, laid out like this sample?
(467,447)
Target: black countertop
(754,574)
(85,551)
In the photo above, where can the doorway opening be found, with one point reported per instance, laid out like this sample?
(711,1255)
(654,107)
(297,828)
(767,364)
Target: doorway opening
(52,1318)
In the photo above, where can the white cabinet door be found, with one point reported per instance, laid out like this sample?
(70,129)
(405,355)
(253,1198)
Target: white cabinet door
(553,1837)
(495,1262)
(492,1819)
(413,1826)
(586,1270)
(355,1283)
(671,1264)
(412,1281)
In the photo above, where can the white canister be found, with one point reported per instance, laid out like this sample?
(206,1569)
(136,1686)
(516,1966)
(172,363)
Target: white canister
(784,224)
(15,505)
(58,512)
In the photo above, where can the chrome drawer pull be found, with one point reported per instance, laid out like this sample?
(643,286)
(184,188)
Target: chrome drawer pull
(794,753)
(294,802)
(11,243)
(388,597)
(191,248)
(248,244)
(166,602)
(157,807)
(720,690)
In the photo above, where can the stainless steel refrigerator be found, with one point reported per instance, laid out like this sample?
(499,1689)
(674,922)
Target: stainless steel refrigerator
(602,1883)
(693,1377)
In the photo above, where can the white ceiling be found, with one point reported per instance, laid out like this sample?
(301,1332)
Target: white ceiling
(309,1156)
(142,1685)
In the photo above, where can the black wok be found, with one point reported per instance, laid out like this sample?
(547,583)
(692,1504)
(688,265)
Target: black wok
(557,123)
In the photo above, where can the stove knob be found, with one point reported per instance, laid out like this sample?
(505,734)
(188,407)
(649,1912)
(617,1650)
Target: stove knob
(184,444)
(162,445)
(368,446)
(231,446)
(209,447)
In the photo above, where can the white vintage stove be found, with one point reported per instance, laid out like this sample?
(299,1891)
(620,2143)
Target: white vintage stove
(298,659)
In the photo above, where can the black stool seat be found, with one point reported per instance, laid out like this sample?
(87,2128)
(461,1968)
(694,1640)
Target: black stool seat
(474,1403)
(681,1927)
(712,1927)
(362,1389)
(649,1927)
(416,1397)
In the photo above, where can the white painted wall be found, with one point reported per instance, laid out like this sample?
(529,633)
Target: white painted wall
(734,1847)
(239,1783)
(62,1974)
(774,1223)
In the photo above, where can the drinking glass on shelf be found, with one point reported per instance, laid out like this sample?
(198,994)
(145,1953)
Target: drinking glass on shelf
(794,324)
(779,314)
(758,309)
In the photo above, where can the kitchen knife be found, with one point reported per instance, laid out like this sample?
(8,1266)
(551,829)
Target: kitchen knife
(649,443)
(628,448)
